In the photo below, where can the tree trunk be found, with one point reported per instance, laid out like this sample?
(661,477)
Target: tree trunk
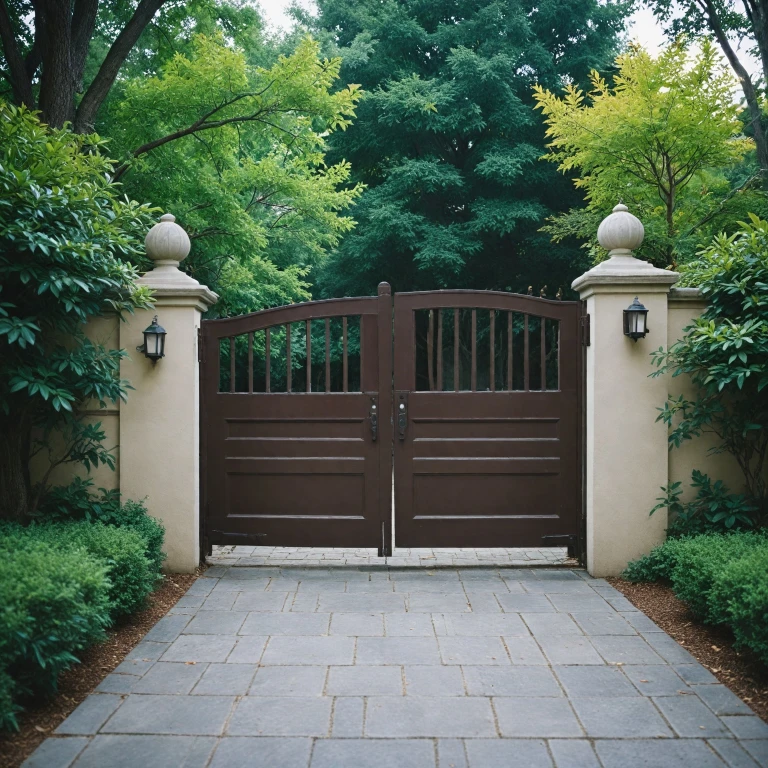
(14,469)
(57,84)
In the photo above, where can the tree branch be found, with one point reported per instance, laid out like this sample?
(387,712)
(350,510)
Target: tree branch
(83,24)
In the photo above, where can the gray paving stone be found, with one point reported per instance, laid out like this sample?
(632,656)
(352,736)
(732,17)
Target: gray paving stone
(758,749)
(247,650)
(451,754)
(429,602)
(483,602)
(134,667)
(201,587)
(649,753)
(555,574)
(262,752)
(281,716)
(286,624)
(288,681)
(117,683)
(594,681)
(147,651)
(364,681)
(414,716)
(364,587)
(324,585)
(200,648)
(192,602)
(473,650)
(369,603)
(524,650)
(630,717)
(437,586)
(223,679)
(667,648)
(181,715)
(621,604)
(216,623)
(569,649)
(510,681)
(559,587)
(501,753)
(90,715)
(532,717)
(358,624)
(216,572)
(551,623)
(170,678)
(690,717)
(604,623)
(656,680)
(408,625)
(746,727)
(219,601)
(483,625)
(433,681)
(310,650)
(640,622)
(354,753)
(573,753)
(617,649)
(397,650)
(56,753)
(525,604)
(260,602)
(241,585)
(147,752)
(348,717)
(695,674)
(733,753)
(306,602)
(579,603)
(721,700)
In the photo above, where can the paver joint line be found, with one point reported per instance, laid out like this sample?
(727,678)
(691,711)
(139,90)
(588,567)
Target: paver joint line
(340,667)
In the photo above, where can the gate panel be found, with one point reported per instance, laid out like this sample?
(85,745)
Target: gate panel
(487,442)
(298,468)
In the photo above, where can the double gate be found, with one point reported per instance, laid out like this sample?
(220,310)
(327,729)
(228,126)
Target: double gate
(469,401)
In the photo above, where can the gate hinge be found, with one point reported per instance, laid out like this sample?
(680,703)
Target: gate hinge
(585,334)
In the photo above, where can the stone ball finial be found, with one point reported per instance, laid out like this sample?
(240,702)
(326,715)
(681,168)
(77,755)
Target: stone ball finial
(621,230)
(167,242)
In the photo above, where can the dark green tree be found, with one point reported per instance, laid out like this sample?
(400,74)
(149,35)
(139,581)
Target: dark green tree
(447,141)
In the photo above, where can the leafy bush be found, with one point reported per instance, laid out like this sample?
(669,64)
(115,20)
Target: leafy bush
(698,562)
(657,565)
(76,501)
(54,601)
(131,574)
(713,510)
(739,598)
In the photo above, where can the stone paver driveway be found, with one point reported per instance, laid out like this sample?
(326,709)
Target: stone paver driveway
(345,668)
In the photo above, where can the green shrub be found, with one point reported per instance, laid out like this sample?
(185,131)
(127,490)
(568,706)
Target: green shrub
(699,560)
(657,565)
(739,598)
(54,601)
(134,515)
(8,706)
(131,574)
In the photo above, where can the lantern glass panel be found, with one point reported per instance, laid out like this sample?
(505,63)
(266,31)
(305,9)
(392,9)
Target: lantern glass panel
(152,344)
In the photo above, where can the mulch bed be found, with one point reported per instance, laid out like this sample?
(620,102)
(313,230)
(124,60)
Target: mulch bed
(36,724)
(713,647)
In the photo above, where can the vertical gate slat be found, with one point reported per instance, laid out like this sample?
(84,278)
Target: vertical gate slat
(267,360)
(309,355)
(474,350)
(526,355)
(250,363)
(509,351)
(543,353)
(288,364)
(439,350)
(492,340)
(431,350)
(455,350)
(345,362)
(327,354)
(231,363)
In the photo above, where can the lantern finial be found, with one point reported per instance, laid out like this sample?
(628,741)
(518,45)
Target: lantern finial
(167,243)
(620,231)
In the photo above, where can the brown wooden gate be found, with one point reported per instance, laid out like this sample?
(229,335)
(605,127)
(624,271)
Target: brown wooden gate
(298,422)
(294,450)
(488,428)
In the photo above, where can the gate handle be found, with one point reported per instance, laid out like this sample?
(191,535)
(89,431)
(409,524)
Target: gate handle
(374,417)
(402,418)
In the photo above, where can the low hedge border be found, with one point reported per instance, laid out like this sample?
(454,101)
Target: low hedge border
(723,578)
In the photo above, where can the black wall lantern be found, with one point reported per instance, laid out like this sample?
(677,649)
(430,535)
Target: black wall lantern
(154,341)
(635,320)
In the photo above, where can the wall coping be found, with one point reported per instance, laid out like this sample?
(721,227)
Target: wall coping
(686,295)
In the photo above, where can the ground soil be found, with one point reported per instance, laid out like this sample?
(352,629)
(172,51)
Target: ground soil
(713,647)
(97,662)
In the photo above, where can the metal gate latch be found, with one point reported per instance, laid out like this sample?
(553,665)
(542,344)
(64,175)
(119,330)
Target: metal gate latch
(374,417)
(402,418)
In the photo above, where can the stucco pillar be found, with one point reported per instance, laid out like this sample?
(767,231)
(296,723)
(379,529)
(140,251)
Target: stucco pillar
(626,449)
(160,423)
